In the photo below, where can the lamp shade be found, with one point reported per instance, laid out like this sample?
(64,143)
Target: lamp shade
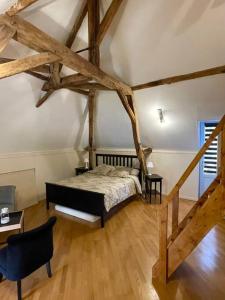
(86,160)
(150,164)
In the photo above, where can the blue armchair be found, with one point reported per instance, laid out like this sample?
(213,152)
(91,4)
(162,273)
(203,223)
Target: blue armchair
(7,197)
(26,252)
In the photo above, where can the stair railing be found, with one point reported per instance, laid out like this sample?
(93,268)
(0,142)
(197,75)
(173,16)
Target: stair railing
(160,270)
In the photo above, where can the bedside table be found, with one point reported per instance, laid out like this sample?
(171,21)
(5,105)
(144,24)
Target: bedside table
(80,170)
(149,179)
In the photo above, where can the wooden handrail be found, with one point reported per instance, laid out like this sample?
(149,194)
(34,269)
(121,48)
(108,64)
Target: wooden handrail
(195,161)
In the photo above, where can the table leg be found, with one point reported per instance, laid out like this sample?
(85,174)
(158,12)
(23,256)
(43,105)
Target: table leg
(150,192)
(146,190)
(155,190)
(160,191)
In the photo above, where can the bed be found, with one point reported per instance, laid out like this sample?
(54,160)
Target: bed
(76,194)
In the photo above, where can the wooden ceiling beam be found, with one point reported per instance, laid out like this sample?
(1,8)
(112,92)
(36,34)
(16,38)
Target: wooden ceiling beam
(6,34)
(37,75)
(89,85)
(79,91)
(19,6)
(40,69)
(77,25)
(50,92)
(179,78)
(69,42)
(34,38)
(94,58)
(55,77)
(103,27)
(44,98)
(26,64)
(107,20)
(93,47)
(71,81)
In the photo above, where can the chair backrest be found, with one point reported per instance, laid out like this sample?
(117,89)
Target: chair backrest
(7,196)
(28,251)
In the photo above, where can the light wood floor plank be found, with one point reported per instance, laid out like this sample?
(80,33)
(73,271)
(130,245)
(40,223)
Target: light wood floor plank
(115,263)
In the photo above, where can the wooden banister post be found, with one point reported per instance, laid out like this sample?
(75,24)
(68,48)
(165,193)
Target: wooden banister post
(163,253)
(94,58)
(175,212)
(222,156)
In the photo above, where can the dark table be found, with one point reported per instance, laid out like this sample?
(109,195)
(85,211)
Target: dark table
(149,180)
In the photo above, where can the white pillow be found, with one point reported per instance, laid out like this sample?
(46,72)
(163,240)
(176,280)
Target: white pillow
(131,171)
(134,172)
(102,169)
(118,173)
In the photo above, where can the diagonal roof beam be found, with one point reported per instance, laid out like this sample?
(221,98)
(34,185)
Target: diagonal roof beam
(44,98)
(77,25)
(34,38)
(41,69)
(6,34)
(25,64)
(107,20)
(72,80)
(19,6)
(179,78)
(55,76)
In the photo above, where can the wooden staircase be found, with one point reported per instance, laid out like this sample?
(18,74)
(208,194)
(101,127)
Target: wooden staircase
(204,215)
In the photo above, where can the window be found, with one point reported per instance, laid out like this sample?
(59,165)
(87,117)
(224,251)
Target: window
(210,157)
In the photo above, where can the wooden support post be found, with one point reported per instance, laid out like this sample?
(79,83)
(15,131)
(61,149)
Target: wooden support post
(128,104)
(94,58)
(222,156)
(91,110)
(175,212)
(222,164)
(137,138)
(163,253)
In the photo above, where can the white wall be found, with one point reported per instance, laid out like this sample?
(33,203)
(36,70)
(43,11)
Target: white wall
(48,166)
(170,165)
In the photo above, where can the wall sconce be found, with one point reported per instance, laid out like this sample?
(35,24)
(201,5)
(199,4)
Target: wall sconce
(161,115)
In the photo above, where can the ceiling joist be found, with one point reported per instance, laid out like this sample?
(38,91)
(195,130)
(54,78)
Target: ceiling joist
(179,78)
(41,69)
(26,64)
(67,81)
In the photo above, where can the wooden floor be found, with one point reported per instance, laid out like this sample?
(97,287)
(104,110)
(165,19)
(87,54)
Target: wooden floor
(115,263)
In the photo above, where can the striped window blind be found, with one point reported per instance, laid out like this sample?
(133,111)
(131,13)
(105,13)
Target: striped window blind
(210,157)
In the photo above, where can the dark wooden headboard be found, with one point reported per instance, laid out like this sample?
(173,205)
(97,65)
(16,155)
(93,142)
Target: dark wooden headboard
(118,160)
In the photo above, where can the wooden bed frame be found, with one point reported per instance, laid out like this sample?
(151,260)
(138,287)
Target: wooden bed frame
(88,201)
